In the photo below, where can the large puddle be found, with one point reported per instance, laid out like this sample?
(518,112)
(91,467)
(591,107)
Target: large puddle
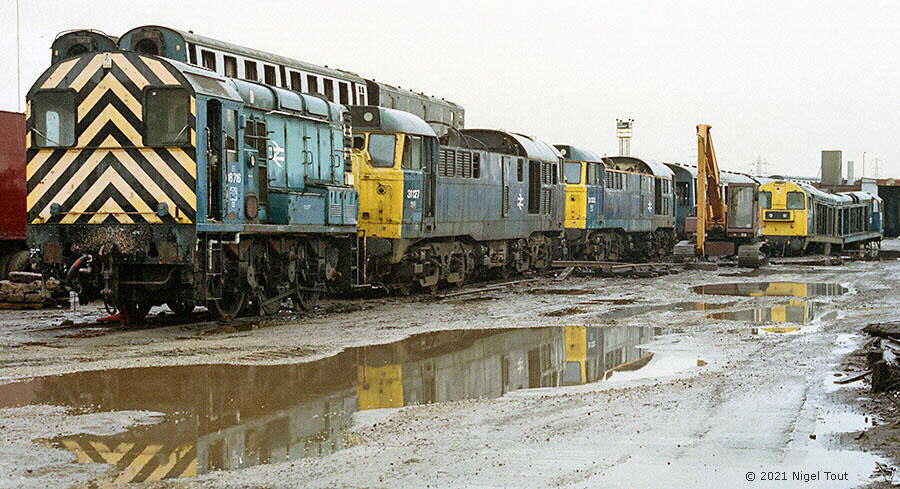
(231,416)
(772,289)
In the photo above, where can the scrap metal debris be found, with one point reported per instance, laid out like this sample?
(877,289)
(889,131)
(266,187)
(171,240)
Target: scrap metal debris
(883,356)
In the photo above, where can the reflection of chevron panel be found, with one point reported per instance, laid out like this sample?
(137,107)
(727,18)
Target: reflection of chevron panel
(108,176)
(136,462)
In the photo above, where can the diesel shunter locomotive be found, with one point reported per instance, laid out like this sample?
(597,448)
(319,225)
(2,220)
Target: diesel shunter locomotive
(151,181)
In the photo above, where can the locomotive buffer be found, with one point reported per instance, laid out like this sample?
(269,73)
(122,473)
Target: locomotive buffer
(721,229)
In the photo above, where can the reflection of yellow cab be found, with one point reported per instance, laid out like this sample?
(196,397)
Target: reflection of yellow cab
(380,387)
(576,355)
(780,329)
(783,289)
(797,312)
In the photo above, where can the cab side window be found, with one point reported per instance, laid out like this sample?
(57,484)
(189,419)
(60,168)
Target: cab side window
(412,153)
(54,119)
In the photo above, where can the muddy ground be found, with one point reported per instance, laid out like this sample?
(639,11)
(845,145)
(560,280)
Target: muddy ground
(725,389)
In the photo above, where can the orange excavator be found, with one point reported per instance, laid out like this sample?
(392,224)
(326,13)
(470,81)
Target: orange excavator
(727,216)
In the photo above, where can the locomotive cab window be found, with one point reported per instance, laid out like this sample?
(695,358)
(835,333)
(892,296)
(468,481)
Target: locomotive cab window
(54,118)
(412,153)
(765,200)
(359,141)
(256,137)
(166,117)
(573,172)
(795,201)
(381,150)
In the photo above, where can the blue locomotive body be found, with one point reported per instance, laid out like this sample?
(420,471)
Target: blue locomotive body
(487,201)
(617,207)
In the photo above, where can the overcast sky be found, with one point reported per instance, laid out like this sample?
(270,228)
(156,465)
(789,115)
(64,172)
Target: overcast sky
(778,80)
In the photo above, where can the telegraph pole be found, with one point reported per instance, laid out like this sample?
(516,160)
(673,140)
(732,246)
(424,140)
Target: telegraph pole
(18,62)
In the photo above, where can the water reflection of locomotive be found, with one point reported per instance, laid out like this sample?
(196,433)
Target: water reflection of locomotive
(153,180)
(228,417)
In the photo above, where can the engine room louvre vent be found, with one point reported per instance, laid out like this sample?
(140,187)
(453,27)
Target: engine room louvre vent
(506,200)
(447,163)
(464,164)
(545,201)
(545,173)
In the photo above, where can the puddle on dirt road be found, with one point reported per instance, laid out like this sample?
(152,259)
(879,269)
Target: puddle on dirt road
(234,416)
(772,289)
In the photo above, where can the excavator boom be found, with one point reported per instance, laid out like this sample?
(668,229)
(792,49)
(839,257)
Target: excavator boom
(710,201)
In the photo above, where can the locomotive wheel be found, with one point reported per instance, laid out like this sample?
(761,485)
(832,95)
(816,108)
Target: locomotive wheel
(4,261)
(230,305)
(18,262)
(181,307)
(267,308)
(401,289)
(540,253)
(134,312)
(430,283)
(305,301)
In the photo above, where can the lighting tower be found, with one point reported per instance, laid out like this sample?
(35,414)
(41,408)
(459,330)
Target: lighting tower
(624,131)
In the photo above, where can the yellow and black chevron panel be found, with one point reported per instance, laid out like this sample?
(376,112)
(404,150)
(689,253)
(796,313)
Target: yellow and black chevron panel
(108,175)
(135,462)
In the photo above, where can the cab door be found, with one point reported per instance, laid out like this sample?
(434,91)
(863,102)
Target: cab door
(412,166)
(224,172)
(429,174)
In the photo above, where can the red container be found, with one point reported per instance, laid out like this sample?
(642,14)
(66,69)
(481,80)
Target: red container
(12,176)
